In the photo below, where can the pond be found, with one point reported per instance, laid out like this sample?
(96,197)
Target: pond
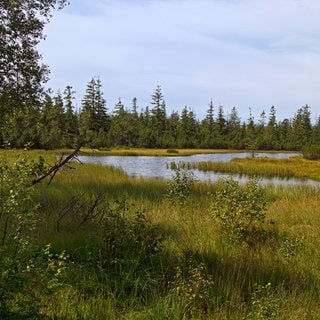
(159,166)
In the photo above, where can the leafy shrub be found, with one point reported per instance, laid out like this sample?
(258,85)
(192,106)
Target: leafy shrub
(193,290)
(311,152)
(20,267)
(291,246)
(240,210)
(263,305)
(179,186)
(130,250)
(129,239)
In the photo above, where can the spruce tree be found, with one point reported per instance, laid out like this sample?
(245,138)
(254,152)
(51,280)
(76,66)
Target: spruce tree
(70,133)
(94,120)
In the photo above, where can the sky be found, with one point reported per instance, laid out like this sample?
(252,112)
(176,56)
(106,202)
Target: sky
(248,54)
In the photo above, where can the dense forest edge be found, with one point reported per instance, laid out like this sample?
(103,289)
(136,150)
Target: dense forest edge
(54,123)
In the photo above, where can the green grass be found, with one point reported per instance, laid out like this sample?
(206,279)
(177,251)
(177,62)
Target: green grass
(295,167)
(78,203)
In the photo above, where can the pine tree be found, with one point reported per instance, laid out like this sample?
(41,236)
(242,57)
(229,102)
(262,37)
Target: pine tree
(158,116)
(235,137)
(119,131)
(94,120)
(271,133)
(188,129)
(301,128)
(208,126)
(70,133)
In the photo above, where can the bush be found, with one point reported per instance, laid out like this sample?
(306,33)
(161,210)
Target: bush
(179,187)
(193,290)
(129,238)
(240,210)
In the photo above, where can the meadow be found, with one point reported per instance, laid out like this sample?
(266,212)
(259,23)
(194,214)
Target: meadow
(106,246)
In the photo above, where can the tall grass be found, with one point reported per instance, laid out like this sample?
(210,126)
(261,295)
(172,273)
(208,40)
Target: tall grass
(297,167)
(195,273)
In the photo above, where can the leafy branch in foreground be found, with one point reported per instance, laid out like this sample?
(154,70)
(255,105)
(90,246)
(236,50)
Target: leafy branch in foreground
(18,222)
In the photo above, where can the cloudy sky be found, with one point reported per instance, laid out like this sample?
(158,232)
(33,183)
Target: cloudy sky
(250,54)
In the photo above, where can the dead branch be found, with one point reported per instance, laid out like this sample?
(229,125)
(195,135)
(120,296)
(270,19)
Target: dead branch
(51,172)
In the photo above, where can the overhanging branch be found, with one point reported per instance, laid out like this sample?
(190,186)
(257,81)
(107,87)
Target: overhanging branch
(54,169)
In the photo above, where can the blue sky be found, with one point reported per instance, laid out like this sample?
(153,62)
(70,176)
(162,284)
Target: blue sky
(250,54)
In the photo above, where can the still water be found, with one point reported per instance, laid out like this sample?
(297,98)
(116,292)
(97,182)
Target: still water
(159,167)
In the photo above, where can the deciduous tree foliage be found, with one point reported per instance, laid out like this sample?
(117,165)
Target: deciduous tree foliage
(22,74)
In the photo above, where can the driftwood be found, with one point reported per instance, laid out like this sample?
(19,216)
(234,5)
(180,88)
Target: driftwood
(52,171)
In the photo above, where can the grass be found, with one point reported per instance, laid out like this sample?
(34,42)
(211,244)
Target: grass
(150,152)
(218,279)
(294,167)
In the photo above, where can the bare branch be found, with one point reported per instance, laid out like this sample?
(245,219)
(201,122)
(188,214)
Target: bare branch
(54,169)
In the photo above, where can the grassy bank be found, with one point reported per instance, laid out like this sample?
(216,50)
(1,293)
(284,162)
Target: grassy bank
(148,151)
(294,167)
(131,251)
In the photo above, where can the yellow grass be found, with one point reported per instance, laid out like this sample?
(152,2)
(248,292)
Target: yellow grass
(151,152)
(300,167)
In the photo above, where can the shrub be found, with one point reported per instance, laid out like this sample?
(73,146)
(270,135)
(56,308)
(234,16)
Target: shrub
(130,248)
(264,305)
(240,210)
(193,290)
(20,264)
(179,187)
(129,238)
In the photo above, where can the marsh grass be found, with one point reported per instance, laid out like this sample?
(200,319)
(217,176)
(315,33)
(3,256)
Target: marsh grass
(193,251)
(148,152)
(296,167)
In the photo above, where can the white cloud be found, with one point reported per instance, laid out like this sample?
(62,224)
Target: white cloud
(247,53)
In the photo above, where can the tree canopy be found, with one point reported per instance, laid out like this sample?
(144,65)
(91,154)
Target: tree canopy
(22,73)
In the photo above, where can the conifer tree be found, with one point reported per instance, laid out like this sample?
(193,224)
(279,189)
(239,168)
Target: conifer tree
(70,133)
(158,116)
(94,120)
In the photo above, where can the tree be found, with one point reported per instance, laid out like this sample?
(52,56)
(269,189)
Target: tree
(94,120)
(208,127)
(158,116)
(221,129)
(188,129)
(22,74)
(235,137)
(70,118)
(119,131)
(271,134)
(51,122)
(301,128)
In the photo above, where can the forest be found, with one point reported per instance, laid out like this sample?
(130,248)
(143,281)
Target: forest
(54,123)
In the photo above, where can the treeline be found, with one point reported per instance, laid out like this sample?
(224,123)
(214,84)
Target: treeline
(56,124)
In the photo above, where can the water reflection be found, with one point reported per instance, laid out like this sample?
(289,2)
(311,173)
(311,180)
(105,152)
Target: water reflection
(159,167)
